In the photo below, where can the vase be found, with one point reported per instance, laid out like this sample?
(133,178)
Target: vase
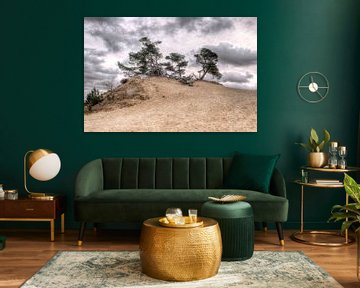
(317,159)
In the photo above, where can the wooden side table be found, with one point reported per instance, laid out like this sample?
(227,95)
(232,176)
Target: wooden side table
(26,209)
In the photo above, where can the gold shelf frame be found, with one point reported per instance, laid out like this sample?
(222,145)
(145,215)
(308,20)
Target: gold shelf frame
(296,236)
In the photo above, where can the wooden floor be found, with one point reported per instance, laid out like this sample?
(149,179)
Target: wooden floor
(28,250)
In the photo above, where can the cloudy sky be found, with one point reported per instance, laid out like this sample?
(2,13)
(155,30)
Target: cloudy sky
(108,40)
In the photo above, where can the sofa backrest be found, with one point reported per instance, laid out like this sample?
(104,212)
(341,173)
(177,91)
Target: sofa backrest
(165,173)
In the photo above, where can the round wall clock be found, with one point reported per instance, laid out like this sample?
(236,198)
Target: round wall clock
(313,87)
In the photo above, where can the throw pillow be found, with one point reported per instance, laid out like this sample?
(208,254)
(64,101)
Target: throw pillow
(251,172)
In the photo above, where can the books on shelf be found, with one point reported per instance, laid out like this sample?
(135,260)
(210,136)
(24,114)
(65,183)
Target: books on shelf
(327,181)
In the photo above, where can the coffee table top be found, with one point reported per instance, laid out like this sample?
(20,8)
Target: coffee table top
(154,222)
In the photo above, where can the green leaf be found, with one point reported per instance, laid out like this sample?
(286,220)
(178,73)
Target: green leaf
(346,225)
(321,146)
(306,146)
(350,207)
(336,216)
(352,188)
(326,136)
(314,135)
(312,144)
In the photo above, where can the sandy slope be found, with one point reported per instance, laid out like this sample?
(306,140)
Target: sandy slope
(174,107)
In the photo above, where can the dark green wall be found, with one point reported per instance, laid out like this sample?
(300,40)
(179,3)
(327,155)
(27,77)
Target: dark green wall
(42,88)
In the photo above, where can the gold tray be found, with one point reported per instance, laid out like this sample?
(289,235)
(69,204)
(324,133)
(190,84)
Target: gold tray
(228,198)
(165,222)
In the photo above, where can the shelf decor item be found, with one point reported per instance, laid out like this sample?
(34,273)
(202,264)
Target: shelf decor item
(333,161)
(11,194)
(342,154)
(350,213)
(304,176)
(317,157)
(2,192)
(43,165)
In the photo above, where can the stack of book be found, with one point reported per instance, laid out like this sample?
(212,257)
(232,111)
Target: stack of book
(327,181)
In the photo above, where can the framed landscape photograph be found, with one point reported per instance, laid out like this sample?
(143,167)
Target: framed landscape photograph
(170,74)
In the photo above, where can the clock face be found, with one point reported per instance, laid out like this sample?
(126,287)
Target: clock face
(313,87)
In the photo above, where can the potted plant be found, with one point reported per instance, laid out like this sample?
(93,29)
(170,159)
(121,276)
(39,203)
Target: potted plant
(317,157)
(350,214)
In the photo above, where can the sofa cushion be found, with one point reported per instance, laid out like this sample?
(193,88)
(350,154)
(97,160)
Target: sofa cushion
(266,206)
(251,172)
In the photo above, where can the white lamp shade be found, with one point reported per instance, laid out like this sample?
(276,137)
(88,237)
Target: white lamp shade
(46,168)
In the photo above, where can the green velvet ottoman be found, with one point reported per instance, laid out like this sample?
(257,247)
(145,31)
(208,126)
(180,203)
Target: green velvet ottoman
(236,221)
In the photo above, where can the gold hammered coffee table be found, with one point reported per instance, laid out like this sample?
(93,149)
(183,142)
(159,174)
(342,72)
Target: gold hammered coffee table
(180,254)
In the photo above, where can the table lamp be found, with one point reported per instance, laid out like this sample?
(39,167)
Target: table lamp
(43,165)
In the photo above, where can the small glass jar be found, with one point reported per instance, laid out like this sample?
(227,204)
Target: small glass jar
(173,215)
(11,194)
(304,176)
(2,192)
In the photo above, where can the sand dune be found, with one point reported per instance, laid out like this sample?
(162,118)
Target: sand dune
(158,104)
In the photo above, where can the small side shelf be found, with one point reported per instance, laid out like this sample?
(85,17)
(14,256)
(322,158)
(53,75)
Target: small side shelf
(314,237)
(313,184)
(348,169)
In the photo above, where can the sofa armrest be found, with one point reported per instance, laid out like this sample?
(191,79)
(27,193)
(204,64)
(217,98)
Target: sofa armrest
(89,179)
(277,184)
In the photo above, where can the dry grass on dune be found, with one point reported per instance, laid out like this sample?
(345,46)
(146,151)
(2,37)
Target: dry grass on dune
(159,104)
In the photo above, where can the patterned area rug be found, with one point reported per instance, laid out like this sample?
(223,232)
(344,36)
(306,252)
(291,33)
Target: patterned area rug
(122,269)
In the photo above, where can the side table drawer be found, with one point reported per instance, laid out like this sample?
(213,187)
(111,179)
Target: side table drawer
(30,209)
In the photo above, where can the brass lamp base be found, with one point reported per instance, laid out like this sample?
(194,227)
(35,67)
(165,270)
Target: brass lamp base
(41,196)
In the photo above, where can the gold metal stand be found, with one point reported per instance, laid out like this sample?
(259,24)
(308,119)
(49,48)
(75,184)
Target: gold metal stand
(296,236)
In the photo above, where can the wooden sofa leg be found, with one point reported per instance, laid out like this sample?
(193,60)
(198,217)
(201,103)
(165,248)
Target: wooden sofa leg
(265,227)
(280,233)
(81,233)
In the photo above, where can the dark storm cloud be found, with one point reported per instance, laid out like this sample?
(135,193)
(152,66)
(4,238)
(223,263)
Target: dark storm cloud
(109,21)
(111,39)
(98,78)
(208,25)
(95,74)
(187,23)
(94,52)
(217,25)
(111,31)
(237,56)
(236,77)
(93,57)
(250,22)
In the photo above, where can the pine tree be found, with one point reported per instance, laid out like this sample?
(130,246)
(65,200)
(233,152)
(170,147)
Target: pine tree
(208,61)
(177,64)
(92,98)
(144,62)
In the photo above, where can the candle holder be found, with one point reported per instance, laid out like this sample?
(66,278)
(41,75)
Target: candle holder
(342,153)
(333,161)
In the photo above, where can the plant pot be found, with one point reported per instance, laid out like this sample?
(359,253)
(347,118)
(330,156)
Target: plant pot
(317,159)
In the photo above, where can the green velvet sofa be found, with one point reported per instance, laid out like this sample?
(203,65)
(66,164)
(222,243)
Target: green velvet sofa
(130,190)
